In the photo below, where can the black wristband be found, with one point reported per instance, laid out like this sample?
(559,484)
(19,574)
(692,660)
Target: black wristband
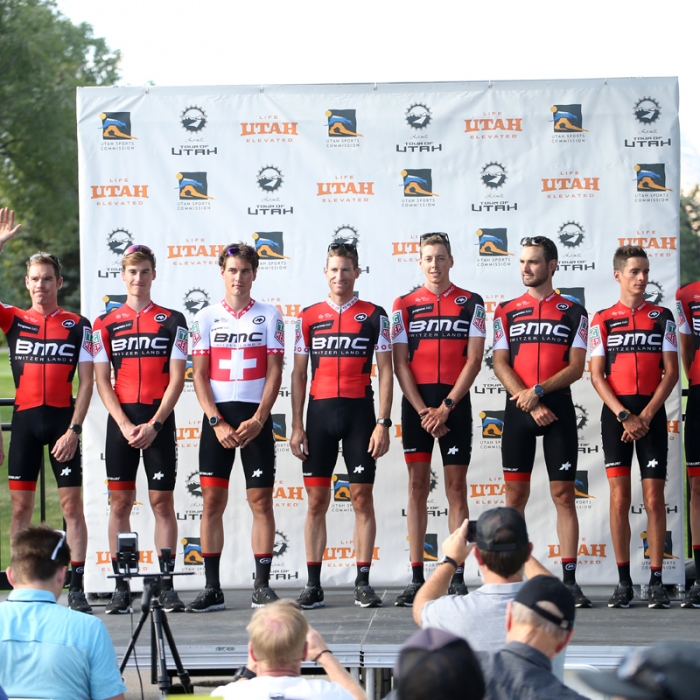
(244,672)
(318,656)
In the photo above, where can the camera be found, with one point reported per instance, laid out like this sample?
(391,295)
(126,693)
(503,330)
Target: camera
(128,553)
(471,531)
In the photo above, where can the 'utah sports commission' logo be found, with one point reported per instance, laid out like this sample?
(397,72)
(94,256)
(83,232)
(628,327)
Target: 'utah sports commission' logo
(116,126)
(195,300)
(567,118)
(279,427)
(430,547)
(492,424)
(668,545)
(113,301)
(493,176)
(193,119)
(341,488)
(192,186)
(581,485)
(270,245)
(342,123)
(575,294)
(192,551)
(647,110)
(418,183)
(571,234)
(118,241)
(651,177)
(418,116)
(493,241)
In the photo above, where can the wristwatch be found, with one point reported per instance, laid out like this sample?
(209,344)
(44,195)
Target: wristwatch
(448,403)
(444,559)
(623,415)
(215,420)
(76,428)
(386,422)
(538,390)
(155,425)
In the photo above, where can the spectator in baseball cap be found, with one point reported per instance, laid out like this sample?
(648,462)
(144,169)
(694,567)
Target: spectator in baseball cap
(437,665)
(663,671)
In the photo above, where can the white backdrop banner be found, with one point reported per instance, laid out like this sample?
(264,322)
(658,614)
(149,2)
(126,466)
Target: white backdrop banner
(592,164)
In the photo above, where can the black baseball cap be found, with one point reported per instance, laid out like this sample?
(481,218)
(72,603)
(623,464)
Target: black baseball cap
(663,671)
(491,523)
(550,589)
(437,665)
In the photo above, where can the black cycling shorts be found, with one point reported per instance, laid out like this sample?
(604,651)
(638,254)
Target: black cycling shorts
(455,446)
(33,428)
(560,444)
(328,421)
(652,449)
(692,431)
(159,460)
(258,456)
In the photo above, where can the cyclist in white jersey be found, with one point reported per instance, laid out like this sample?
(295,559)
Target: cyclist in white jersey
(237,351)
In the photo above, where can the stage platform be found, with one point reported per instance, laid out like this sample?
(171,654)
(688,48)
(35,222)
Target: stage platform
(367,640)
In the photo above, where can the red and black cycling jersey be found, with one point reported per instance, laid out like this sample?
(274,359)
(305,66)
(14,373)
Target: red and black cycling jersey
(688,307)
(539,334)
(140,346)
(44,352)
(437,328)
(341,342)
(633,341)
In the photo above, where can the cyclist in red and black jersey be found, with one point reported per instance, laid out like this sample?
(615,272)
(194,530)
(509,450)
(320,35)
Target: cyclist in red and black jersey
(634,367)
(438,334)
(539,346)
(46,345)
(341,335)
(688,308)
(147,346)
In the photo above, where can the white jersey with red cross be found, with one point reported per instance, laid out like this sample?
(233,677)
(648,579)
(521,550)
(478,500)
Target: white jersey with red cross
(237,344)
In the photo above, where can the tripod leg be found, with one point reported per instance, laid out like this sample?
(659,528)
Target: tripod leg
(134,637)
(183,675)
(158,650)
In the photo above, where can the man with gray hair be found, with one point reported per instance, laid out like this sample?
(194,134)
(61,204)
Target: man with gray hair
(539,624)
(280,639)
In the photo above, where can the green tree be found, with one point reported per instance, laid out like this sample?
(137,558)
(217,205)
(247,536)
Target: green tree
(44,57)
(690,236)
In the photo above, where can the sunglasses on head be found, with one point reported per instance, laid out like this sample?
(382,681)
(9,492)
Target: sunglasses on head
(136,248)
(444,236)
(350,247)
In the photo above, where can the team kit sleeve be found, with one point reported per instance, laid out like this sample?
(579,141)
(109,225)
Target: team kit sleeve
(500,330)
(383,331)
(275,333)
(179,336)
(598,334)
(100,347)
(199,334)
(580,324)
(7,316)
(86,341)
(302,335)
(682,313)
(670,341)
(399,321)
(477,327)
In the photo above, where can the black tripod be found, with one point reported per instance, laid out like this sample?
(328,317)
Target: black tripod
(151,607)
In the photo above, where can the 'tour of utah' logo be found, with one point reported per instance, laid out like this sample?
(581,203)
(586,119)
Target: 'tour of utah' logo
(193,120)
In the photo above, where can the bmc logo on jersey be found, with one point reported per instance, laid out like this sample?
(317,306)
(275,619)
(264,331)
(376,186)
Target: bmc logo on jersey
(542,329)
(332,342)
(138,343)
(435,325)
(44,349)
(634,339)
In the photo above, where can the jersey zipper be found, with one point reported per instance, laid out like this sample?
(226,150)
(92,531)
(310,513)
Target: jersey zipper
(539,336)
(636,367)
(340,320)
(138,345)
(439,330)
(43,360)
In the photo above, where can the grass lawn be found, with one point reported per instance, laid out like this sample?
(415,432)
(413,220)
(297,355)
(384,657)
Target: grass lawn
(53,510)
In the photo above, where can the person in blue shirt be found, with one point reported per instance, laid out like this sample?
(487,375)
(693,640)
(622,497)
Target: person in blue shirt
(47,650)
